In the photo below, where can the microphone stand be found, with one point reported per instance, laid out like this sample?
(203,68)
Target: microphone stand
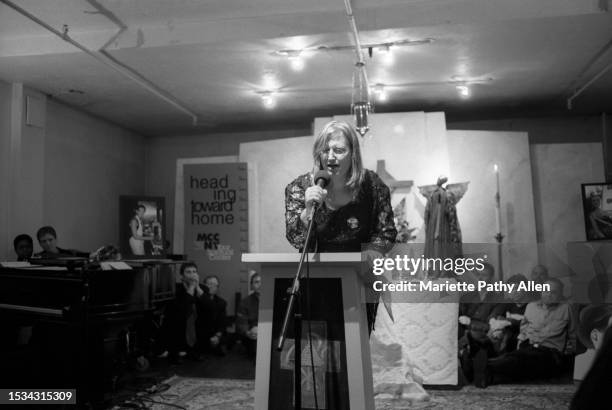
(297,321)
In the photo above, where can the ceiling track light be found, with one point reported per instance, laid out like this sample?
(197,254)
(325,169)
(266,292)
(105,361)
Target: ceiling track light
(381,47)
(267,99)
(464,90)
(380,92)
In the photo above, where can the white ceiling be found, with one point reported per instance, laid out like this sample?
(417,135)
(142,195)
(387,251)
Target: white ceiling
(518,56)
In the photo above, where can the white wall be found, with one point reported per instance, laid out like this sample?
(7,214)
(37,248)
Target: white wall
(6,244)
(89,163)
(558,171)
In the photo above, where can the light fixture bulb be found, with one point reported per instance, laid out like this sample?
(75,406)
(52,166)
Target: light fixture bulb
(268,100)
(269,81)
(464,91)
(297,63)
(384,49)
(381,94)
(387,55)
(360,102)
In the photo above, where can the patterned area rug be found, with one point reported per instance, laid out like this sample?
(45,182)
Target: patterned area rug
(210,394)
(226,394)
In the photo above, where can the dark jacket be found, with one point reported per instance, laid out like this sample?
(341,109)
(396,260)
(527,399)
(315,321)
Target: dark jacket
(248,313)
(212,318)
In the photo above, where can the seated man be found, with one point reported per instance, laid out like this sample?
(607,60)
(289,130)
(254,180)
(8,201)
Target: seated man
(539,274)
(180,324)
(476,307)
(247,316)
(24,247)
(547,333)
(475,310)
(212,321)
(47,238)
(505,322)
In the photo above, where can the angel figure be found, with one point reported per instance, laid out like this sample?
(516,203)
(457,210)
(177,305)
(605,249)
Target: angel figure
(442,230)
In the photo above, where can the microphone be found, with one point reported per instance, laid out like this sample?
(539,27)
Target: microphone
(322,178)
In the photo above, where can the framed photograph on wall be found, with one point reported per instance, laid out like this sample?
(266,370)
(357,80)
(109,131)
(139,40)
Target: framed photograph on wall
(597,204)
(142,227)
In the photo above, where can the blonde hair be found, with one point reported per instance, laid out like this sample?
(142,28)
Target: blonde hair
(334,129)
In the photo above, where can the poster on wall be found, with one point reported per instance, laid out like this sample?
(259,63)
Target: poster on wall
(597,204)
(142,231)
(216,223)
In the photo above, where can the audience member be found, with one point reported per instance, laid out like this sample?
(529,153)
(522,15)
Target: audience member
(476,307)
(546,335)
(24,247)
(213,320)
(180,327)
(593,322)
(475,310)
(247,316)
(47,238)
(505,321)
(594,391)
(539,275)
(592,325)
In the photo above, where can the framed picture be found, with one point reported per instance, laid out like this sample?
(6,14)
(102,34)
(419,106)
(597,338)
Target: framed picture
(597,204)
(142,227)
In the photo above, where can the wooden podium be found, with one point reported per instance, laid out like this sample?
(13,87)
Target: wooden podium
(339,333)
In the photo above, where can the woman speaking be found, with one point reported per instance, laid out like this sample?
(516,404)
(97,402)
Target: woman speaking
(355,206)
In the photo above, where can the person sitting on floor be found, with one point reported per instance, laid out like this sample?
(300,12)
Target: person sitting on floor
(592,324)
(539,275)
(214,319)
(47,238)
(505,321)
(547,334)
(180,326)
(24,247)
(475,310)
(247,317)
(476,307)
(594,391)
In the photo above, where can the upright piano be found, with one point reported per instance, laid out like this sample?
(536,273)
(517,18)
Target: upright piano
(82,321)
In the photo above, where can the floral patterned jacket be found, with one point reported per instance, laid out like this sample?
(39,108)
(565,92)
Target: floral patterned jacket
(365,221)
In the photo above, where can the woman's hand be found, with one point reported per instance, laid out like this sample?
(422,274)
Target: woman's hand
(314,194)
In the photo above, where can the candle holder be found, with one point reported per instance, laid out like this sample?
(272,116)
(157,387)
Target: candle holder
(500,270)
